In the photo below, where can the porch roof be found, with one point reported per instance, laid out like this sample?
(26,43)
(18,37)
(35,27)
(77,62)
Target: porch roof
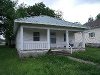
(47,20)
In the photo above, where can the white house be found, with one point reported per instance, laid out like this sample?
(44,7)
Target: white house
(38,34)
(92,36)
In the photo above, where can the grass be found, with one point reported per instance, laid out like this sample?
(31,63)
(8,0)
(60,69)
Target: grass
(10,64)
(91,54)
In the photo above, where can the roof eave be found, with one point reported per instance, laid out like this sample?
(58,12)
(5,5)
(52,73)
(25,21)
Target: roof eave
(51,24)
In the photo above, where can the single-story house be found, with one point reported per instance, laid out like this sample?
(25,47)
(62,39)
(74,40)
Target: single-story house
(38,34)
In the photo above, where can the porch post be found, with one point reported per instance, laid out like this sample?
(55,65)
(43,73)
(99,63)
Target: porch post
(48,38)
(83,40)
(21,37)
(67,39)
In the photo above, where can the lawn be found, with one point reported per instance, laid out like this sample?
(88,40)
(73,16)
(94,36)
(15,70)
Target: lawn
(10,64)
(91,54)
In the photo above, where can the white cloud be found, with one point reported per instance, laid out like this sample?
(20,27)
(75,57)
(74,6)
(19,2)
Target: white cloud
(76,13)
(86,1)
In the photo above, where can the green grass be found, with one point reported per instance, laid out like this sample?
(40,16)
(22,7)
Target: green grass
(10,64)
(91,54)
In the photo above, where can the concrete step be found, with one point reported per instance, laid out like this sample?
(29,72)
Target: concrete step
(59,53)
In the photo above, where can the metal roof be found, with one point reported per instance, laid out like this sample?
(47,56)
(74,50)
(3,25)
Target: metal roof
(47,20)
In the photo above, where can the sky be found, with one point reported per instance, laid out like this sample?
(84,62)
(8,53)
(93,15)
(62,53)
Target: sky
(73,10)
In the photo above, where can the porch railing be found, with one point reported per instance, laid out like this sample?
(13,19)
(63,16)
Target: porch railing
(29,45)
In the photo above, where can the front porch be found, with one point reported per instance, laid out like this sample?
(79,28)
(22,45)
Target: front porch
(46,38)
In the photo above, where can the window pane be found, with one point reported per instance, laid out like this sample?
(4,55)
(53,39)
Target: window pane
(36,39)
(53,37)
(53,40)
(92,34)
(36,34)
(64,36)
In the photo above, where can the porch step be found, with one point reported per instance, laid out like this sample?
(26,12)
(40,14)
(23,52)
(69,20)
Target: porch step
(65,53)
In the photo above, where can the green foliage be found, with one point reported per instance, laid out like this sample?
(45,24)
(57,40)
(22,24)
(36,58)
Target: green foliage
(7,14)
(10,64)
(98,16)
(21,11)
(35,10)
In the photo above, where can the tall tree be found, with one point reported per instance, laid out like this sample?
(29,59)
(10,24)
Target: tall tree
(40,9)
(7,16)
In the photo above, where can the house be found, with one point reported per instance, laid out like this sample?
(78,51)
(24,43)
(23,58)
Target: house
(92,35)
(36,35)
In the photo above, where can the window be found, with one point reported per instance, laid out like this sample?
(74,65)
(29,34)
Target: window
(92,34)
(64,36)
(53,37)
(36,36)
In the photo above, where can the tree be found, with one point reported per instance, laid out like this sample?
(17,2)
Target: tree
(36,10)
(21,11)
(58,14)
(90,19)
(98,16)
(7,14)
(40,9)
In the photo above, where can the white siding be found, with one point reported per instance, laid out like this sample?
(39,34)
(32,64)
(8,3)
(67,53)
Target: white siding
(59,36)
(78,37)
(28,34)
(71,37)
(95,39)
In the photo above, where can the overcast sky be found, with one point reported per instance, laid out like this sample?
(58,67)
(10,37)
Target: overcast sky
(73,10)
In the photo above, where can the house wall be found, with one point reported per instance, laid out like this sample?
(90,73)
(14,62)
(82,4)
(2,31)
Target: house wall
(95,39)
(28,34)
(28,37)
(71,37)
(78,37)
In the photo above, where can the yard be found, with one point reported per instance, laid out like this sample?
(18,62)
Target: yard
(10,64)
(91,54)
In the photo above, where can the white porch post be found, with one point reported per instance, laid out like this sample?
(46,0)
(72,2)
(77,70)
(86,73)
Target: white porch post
(67,39)
(83,39)
(48,38)
(21,37)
